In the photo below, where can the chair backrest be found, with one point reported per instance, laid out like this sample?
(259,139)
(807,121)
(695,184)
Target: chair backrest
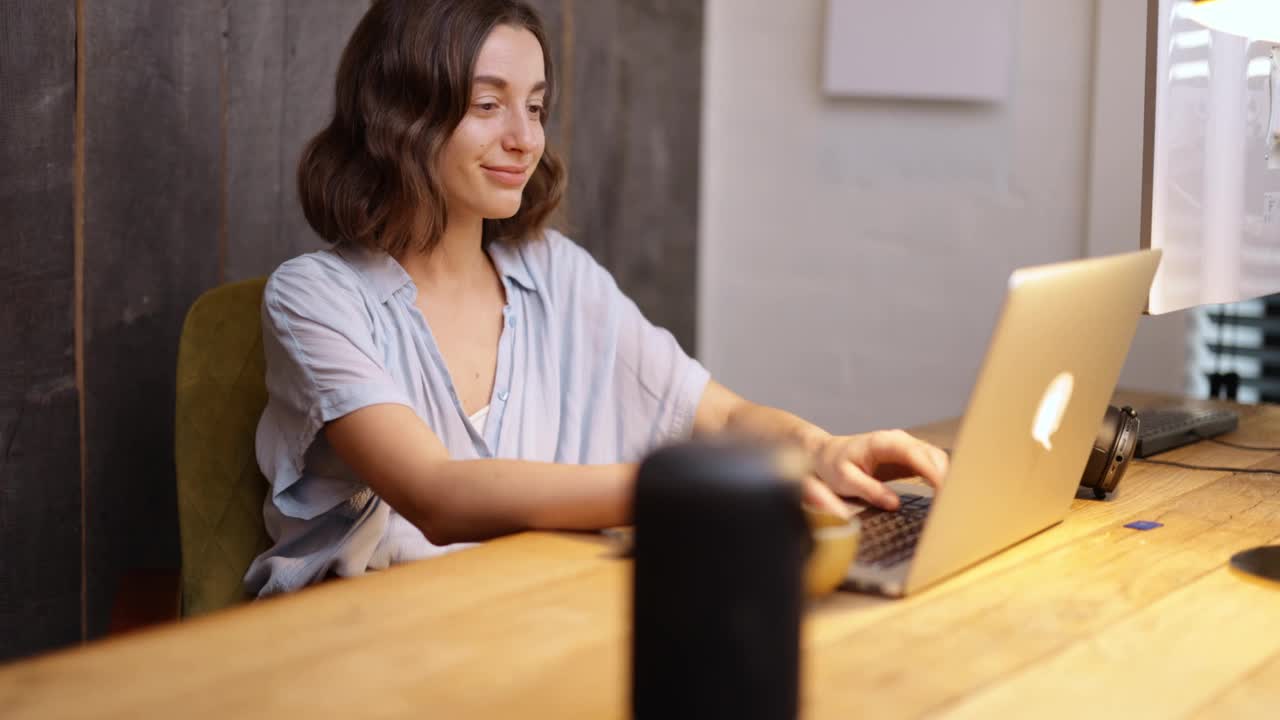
(220,395)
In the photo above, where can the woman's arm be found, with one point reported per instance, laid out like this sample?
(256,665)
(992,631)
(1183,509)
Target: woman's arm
(849,465)
(403,461)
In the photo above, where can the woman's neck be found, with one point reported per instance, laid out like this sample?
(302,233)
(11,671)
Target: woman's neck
(458,261)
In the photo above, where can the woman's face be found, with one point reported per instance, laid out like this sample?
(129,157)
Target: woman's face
(491,155)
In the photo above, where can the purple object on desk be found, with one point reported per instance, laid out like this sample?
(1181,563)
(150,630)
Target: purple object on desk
(1144,525)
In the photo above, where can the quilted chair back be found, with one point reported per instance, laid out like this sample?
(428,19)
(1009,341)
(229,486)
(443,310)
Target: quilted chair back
(220,395)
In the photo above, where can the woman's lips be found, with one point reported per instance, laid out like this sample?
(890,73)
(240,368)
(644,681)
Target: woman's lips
(505,175)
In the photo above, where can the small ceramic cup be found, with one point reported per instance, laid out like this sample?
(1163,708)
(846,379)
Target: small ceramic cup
(835,545)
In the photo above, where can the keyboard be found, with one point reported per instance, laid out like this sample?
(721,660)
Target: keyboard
(1163,429)
(889,538)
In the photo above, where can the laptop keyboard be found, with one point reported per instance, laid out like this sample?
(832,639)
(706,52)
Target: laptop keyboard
(889,538)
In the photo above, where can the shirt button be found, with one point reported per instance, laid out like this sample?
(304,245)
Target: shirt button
(502,395)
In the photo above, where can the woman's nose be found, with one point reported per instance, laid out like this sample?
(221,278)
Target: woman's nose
(521,133)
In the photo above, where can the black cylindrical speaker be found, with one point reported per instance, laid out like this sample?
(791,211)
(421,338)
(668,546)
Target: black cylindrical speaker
(720,546)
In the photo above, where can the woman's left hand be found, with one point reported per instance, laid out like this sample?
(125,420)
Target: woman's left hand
(858,465)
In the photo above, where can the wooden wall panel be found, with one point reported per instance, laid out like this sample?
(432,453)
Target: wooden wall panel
(152,217)
(316,31)
(281,61)
(633,81)
(40,530)
(560,124)
(255,59)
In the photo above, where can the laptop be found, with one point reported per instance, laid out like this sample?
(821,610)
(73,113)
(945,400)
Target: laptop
(1050,370)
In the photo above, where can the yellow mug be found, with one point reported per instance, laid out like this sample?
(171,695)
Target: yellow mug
(835,545)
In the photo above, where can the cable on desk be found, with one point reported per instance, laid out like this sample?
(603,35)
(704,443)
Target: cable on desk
(1211,468)
(1238,446)
(1235,445)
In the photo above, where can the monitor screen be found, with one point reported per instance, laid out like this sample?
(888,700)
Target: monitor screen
(1211,165)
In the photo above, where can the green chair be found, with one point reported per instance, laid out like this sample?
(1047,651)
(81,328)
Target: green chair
(221,391)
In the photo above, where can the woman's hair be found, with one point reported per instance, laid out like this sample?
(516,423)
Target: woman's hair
(404,85)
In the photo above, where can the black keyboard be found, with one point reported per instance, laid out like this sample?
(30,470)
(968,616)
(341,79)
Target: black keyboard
(1163,429)
(888,538)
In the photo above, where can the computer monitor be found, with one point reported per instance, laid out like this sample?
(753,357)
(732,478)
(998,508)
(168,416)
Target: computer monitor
(1211,162)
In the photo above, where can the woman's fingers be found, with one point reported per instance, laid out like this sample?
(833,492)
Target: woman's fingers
(853,481)
(896,447)
(818,495)
(858,465)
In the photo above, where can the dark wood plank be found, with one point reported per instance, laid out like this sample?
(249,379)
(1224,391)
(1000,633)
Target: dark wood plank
(146,598)
(152,217)
(281,58)
(551,12)
(39,403)
(316,31)
(635,98)
(255,51)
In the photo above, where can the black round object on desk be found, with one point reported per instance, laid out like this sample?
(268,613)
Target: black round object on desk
(1263,562)
(1113,449)
(720,545)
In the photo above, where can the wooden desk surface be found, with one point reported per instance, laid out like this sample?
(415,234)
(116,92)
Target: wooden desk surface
(1085,619)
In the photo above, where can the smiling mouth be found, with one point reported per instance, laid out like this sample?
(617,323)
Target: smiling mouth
(509,176)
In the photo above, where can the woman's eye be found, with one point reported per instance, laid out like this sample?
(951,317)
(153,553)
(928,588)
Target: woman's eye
(537,110)
(487,106)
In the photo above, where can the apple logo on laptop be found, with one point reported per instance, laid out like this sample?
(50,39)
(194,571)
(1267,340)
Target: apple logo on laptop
(1052,407)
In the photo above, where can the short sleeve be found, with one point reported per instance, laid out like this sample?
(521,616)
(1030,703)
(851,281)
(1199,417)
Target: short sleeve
(322,363)
(668,383)
(657,385)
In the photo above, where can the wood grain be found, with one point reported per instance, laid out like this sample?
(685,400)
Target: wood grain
(39,415)
(391,677)
(1256,695)
(281,62)
(1010,618)
(633,114)
(1085,619)
(152,216)
(1217,626)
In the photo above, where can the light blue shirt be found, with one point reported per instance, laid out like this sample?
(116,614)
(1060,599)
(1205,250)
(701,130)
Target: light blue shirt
(582,377)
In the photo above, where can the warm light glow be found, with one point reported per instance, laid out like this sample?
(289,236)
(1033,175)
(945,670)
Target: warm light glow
(1052,407)
(1253,19)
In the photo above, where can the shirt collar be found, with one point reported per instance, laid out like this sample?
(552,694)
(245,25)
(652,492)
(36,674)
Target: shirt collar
(510,264)
(387,276)
(378,268)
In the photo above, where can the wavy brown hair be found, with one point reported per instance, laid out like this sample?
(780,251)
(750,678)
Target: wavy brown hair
(404,85)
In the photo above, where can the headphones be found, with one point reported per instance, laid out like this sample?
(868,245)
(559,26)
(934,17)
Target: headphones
(1112,450)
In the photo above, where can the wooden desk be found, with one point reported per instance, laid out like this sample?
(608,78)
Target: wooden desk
(1086,619)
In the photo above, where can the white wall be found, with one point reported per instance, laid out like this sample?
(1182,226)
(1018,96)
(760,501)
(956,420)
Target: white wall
(853,253)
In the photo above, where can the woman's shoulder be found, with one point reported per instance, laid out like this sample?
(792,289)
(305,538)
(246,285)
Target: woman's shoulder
(343,269)
(318,281)
(555,261)
(319,266)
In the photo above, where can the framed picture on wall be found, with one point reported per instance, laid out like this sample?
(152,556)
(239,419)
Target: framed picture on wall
(919,49)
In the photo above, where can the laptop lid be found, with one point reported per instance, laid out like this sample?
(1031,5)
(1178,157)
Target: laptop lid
(1050,370)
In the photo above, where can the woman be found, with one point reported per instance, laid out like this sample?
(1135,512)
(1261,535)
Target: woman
(449,370)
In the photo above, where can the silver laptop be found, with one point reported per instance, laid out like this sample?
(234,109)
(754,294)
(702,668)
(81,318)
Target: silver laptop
(1042,392)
